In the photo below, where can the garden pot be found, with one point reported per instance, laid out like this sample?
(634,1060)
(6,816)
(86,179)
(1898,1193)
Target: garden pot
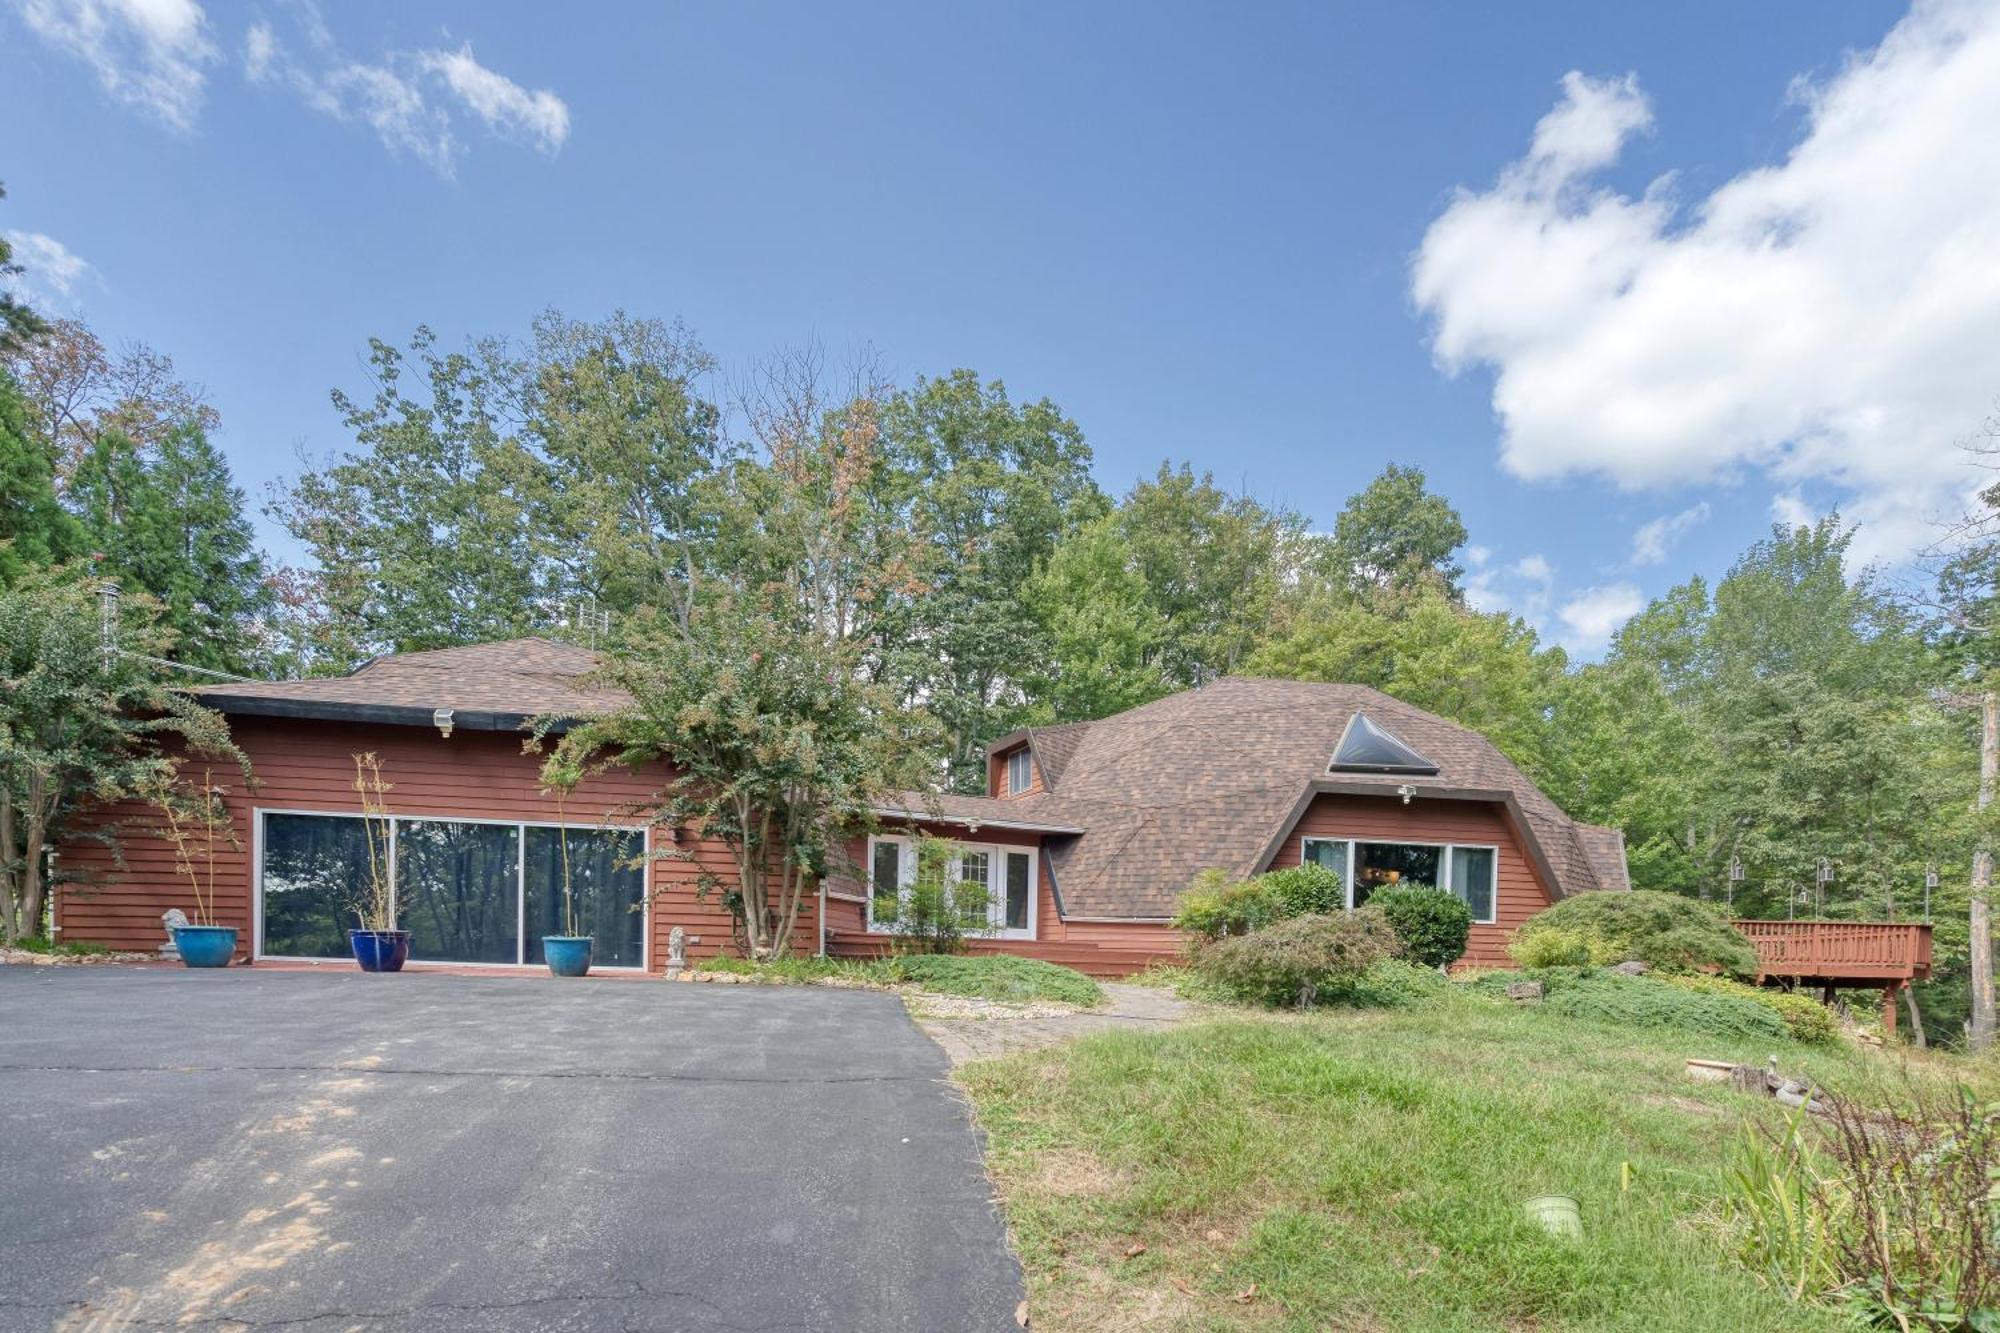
(1557,1214)
(380,950)
(567,955)
(205,946)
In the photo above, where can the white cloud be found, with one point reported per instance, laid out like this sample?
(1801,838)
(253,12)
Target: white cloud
(48,265)
(1592,616)
(1653,540)
(1535,567)
(395,95)
(260,52)
(539,117)
(147,53)
(1791,510)
(1828,319)
(1525,587)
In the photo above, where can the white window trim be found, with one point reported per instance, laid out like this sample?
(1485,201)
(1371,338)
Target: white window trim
(1027,779)
(257,953)
(1444,861)
(996,907)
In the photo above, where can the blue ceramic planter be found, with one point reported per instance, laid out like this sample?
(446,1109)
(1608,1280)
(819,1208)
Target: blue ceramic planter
(205,946)
(380,950)
(567,955)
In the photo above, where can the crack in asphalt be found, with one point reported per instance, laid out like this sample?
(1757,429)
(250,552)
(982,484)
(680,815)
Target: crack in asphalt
(611,1076)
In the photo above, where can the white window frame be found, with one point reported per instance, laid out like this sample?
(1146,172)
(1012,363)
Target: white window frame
(1445,850)
(996,902)
(1021,780)
(520,881)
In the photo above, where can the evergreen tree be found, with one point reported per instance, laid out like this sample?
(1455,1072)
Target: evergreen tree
(19,324)
(35,532)
(169,521)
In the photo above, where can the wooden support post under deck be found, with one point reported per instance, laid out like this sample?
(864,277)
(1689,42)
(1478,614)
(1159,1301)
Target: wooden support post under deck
(1889,995)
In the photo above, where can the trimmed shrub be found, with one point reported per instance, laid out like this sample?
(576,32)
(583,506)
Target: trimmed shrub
(1215,906)
(1306,890)
(1301,960)
(1663,930)
(1806,1019)
(1432,924)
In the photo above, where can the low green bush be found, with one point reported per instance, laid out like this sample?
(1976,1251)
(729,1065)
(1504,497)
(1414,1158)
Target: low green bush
(1215,906)
(1301,960)
(1551,946)
(1666,931)
(1306,890)
(1432,924)
(994,977)
(1398,983)
(1806,1019)
(1644,1002)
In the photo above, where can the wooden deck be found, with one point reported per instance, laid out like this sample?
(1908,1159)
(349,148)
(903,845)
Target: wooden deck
(1853,953)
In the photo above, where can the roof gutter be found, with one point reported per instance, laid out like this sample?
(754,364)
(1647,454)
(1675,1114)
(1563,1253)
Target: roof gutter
(973,821)
(394,715)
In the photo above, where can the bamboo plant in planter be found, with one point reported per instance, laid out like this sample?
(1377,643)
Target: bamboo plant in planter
(567,954)
(192,823)
(378,946)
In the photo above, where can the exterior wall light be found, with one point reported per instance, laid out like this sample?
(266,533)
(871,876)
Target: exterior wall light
(442,717)
(1406,791)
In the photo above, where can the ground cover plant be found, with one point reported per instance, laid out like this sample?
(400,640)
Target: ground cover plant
(1667,931)
(982,976)
(1367,1169)
(1598,995)
(1805,1019)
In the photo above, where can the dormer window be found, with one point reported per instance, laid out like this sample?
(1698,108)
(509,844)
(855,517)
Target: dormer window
(1367,747)
(1020,771)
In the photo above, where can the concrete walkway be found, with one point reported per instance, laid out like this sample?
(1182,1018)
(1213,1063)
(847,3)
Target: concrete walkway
(981,1029)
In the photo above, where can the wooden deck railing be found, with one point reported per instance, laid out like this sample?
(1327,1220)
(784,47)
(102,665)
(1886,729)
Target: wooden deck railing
(1842,950)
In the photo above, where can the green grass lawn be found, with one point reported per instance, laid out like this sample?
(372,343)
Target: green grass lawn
(1366,1170)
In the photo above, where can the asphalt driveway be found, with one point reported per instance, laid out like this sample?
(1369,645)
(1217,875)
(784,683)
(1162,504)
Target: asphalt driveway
(248,1148)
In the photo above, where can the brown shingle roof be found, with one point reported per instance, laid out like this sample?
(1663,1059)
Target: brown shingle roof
(1213,776)
(494,686)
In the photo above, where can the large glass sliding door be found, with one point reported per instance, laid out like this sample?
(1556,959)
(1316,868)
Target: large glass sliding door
(457,887)
(468,892)
(315,875)
(607,888)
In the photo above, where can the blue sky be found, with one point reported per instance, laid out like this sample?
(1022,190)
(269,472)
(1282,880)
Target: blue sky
(1290,244)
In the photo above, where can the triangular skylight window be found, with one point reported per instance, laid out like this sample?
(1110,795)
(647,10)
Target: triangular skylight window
(1366,747)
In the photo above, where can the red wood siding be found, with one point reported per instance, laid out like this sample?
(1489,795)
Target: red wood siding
(302,765)
(1102,949)
(1520,891)
(996,774)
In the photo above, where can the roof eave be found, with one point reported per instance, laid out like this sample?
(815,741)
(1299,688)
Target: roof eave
(394,715)
(1505,799)
(973,821)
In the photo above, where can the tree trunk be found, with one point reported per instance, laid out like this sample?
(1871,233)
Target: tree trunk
(1979,1030)
(1917,1037)
(9,880)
